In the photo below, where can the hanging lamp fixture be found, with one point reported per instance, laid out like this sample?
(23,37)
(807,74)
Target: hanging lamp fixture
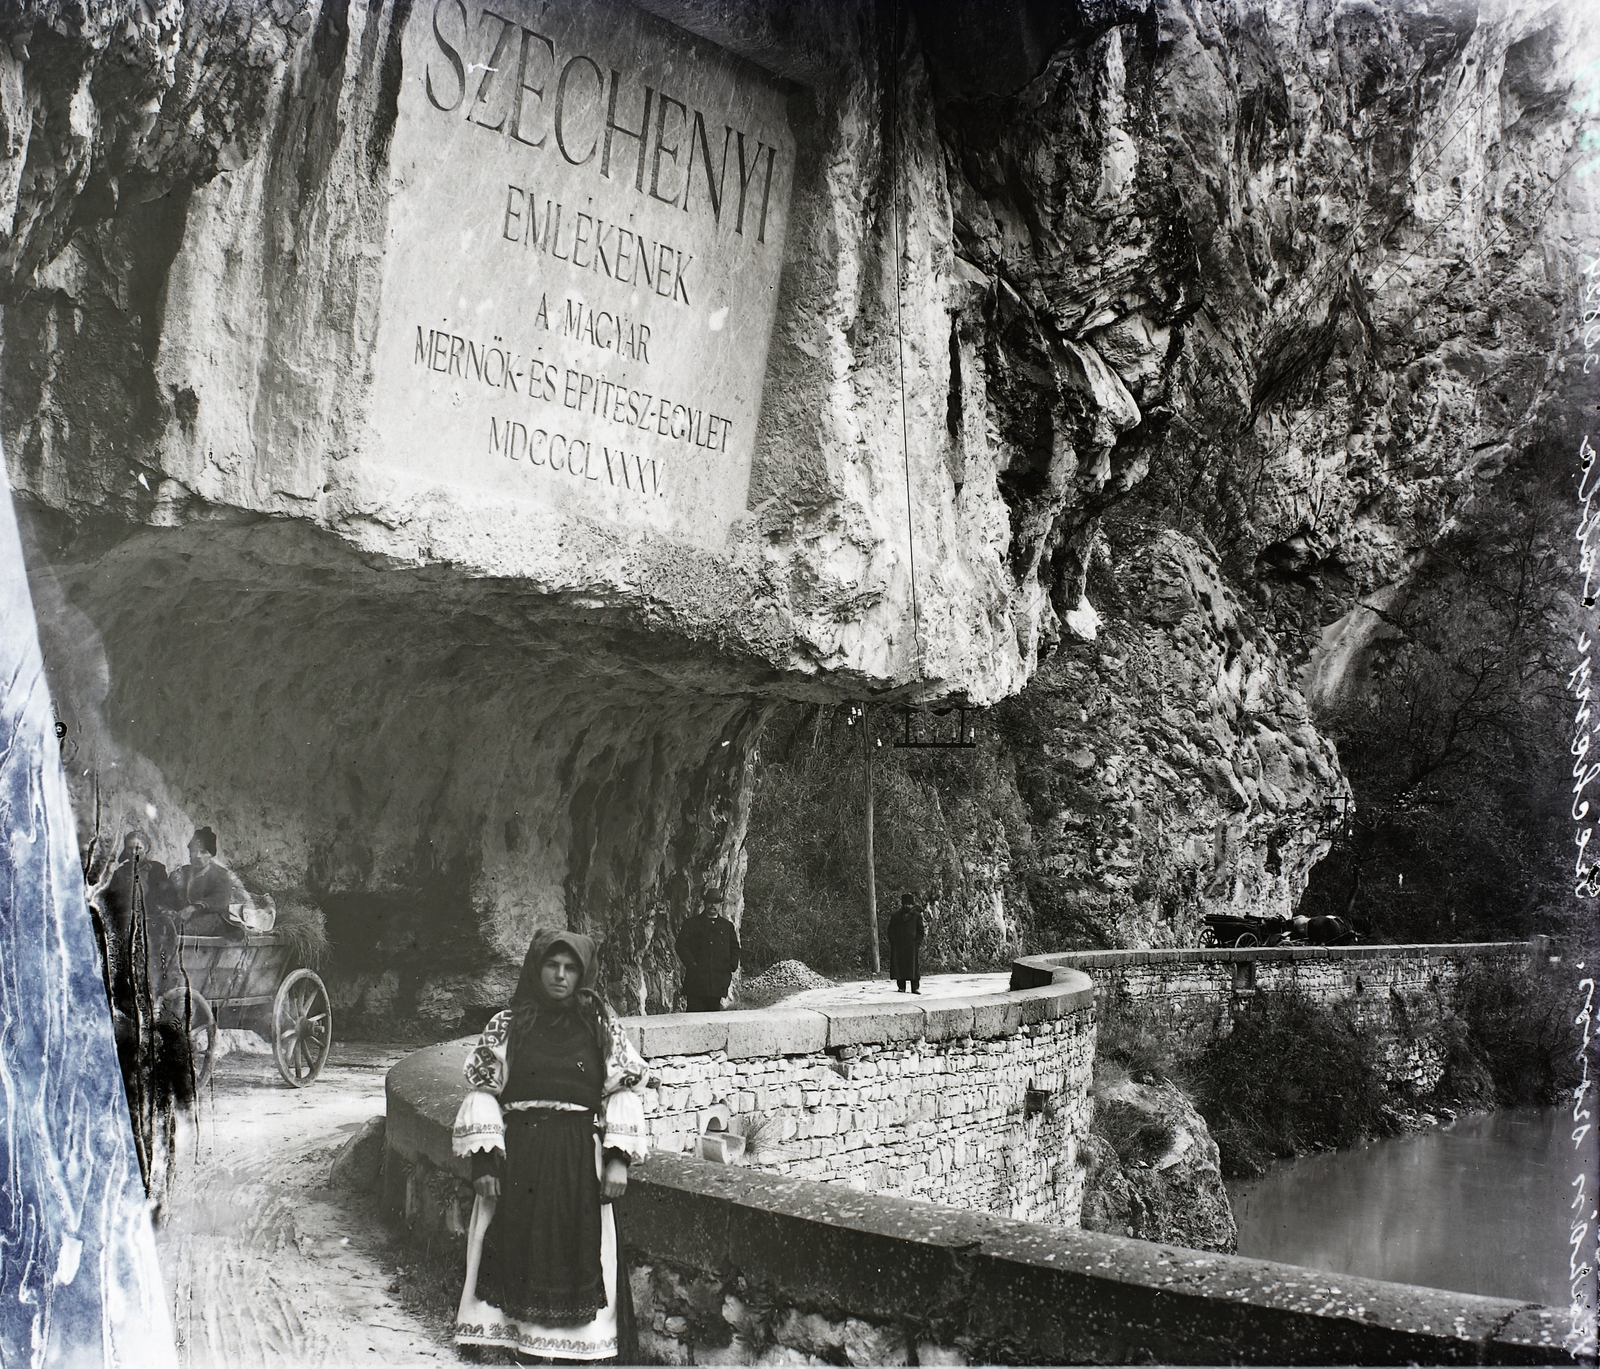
(938,729)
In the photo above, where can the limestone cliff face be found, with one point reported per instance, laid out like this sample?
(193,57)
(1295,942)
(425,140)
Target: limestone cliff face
(1280,278)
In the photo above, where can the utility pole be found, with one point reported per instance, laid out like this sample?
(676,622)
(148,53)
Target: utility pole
(872,873)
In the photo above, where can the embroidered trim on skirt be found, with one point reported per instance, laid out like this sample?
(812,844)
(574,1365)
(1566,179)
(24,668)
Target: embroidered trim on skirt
(610,1336)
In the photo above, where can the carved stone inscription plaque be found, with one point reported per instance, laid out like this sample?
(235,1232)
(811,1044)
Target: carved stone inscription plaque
(585,236)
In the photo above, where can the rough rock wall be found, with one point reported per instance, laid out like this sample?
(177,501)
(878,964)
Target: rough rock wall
(1248,267)
(1330,252)
(1172,767)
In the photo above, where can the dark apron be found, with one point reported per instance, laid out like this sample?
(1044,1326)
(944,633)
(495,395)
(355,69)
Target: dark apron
(541,1253)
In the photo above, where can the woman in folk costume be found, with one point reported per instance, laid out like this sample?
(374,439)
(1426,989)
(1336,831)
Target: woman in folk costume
(554,1117)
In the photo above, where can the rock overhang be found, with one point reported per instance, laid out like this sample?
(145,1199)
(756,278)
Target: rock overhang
(221,339)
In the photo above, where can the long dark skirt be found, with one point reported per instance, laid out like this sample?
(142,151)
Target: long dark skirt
(541,1253)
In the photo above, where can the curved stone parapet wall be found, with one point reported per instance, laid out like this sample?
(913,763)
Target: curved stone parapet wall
(919,1100)
(732,1265)
(1395,994)
(735,1267)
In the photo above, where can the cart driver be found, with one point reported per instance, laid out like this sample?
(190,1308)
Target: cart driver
(214,899)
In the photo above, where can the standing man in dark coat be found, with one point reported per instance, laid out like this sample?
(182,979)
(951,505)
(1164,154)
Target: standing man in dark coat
(138,899)
(709,949)
(905,945)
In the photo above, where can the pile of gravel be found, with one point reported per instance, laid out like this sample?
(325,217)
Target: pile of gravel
(779,981)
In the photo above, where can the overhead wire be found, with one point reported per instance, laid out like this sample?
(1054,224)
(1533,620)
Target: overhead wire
(1309,289)
(900,338)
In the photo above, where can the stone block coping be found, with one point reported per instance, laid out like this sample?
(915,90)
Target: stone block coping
(1025,1293)
(766,1032)
(1032,971)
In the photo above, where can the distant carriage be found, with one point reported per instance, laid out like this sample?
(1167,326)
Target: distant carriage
(214,981)
(1228,929)
(1224,929)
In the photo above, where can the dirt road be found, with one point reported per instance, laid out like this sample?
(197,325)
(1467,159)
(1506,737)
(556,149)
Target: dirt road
(266,1265)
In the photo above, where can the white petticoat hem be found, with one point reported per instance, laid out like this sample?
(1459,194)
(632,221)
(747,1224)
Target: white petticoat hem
(487,1325)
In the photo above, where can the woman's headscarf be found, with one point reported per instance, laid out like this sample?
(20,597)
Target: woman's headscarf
(531,1000)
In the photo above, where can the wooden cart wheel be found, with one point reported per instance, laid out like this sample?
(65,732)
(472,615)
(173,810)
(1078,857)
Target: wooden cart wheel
(1248,939)
(302,1028)
(188,1009)
(1208,936)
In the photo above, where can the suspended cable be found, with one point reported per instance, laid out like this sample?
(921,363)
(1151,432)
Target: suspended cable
(900,335)
(1305,293)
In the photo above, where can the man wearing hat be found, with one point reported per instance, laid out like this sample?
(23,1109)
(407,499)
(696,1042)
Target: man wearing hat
(213,897)
(709,949)
(905,945)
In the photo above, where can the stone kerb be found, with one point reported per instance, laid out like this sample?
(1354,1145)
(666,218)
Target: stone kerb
(747,1035)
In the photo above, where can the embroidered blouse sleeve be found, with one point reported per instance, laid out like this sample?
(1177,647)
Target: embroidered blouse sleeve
(624,1094)
(479,1124)
(486,1066)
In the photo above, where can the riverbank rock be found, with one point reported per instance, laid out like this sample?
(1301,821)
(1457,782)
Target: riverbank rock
(1466,1080)
(1152,1170)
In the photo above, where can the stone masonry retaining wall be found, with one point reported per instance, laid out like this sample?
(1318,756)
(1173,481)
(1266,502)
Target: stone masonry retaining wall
(733,1265)
(1397,994)
(911,1100)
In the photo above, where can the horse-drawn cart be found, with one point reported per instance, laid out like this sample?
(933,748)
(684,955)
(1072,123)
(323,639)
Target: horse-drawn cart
(1226,929)
(214,981)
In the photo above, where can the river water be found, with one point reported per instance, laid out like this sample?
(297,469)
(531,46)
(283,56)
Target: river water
(1479,1206)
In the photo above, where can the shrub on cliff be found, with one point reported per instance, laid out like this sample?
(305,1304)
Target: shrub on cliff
(1297,1077)
(1522,1028)
(1134,1038)
(1452,723)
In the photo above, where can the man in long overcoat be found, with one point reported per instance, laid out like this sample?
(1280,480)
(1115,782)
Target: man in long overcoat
(905,945)
(709,949)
